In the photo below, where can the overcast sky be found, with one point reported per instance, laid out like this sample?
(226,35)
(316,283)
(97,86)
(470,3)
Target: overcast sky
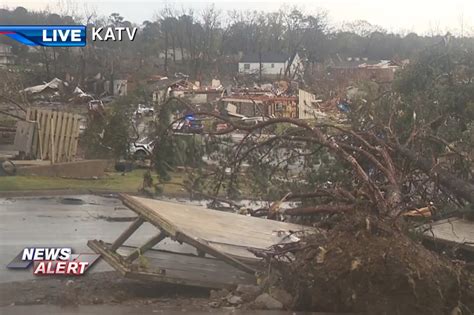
(421,16)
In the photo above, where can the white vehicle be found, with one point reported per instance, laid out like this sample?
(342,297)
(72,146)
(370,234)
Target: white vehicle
(254,120)
(144,110)
(142,150)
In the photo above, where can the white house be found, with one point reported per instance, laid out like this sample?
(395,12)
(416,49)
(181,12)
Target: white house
(272,63)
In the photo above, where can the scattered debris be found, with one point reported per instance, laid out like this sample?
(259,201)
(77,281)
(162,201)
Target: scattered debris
(266,301)
(282,296)
(46,91)
(368,271)
(424,212)
(248,290)
(321,255)
(234,299)
(80,96)
(218,294)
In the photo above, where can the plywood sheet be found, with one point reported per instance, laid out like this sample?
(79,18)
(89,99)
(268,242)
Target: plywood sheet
(225,232)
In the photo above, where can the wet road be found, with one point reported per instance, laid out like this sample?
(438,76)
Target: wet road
(47,221)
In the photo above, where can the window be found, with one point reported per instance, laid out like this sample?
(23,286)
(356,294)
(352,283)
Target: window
(272,65)
(246,66)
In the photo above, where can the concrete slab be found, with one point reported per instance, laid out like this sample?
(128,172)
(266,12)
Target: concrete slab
(454,231)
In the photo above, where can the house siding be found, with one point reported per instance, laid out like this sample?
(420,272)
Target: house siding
(6,56)
(278,68)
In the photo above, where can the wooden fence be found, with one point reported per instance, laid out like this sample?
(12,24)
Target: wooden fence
(56,134)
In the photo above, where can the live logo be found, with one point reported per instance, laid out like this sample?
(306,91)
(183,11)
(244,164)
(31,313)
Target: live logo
(62,35)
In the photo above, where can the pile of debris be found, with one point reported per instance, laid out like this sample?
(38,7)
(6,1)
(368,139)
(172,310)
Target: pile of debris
(56,90)
(251,297)
(366,265)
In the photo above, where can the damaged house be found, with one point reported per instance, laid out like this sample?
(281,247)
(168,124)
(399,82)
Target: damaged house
(355,69)
(268,106)
(194,93)
(304,105)
(50,91)
(161,87)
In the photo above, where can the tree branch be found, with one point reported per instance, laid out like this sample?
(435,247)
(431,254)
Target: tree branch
(320,209)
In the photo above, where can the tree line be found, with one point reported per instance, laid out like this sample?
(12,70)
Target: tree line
(210,42)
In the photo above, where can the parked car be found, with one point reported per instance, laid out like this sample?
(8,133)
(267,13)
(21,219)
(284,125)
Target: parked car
(142,150)
(254,120)
(144,110)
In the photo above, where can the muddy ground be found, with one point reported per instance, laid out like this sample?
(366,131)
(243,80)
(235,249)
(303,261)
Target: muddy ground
(108,293)
(102,288)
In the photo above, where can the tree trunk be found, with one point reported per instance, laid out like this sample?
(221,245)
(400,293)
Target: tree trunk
(174,49)
(461,188)
(166,52)
(321,209)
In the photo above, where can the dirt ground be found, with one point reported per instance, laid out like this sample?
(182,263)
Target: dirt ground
(102,288)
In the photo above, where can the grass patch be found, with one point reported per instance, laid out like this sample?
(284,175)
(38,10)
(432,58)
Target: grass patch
(114,181)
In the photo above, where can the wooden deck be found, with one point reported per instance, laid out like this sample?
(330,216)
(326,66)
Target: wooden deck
(224,237)
(454,231)
(214,231)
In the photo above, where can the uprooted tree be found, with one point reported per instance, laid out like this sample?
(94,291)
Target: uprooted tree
(399,150)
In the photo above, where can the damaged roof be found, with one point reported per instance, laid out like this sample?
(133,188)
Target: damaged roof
(362,63)
(164,82)
(54,84)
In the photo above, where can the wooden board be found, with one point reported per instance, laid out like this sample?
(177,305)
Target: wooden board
(174,268)
(56,136)
(24,136)
(215,232)
(453,231)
